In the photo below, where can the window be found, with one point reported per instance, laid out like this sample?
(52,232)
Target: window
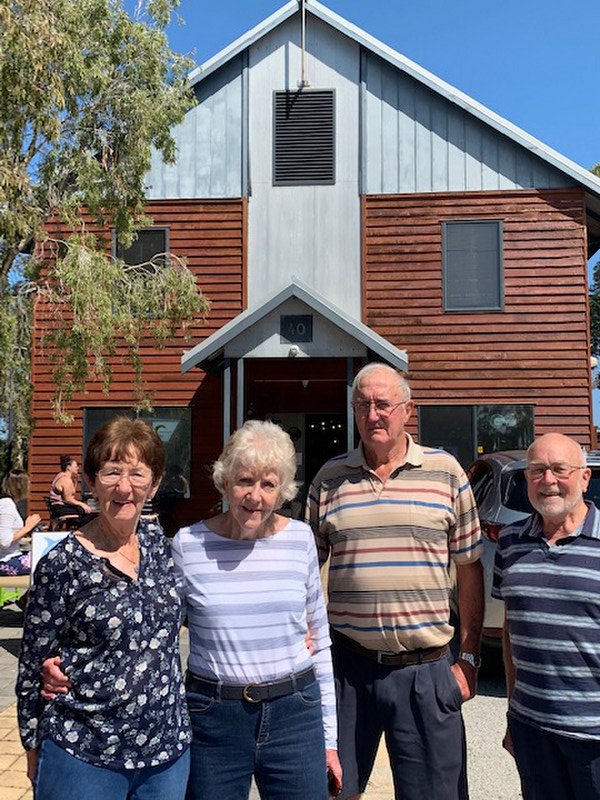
(469,431)
(472,265)
(150,243)
(303,138)
(173,425)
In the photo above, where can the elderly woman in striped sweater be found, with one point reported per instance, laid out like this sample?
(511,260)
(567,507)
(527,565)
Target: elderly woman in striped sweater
(261,705)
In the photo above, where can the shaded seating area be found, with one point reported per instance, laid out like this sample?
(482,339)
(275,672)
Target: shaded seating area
(61,522)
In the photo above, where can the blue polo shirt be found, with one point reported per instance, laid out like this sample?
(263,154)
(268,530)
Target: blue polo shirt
(552,597)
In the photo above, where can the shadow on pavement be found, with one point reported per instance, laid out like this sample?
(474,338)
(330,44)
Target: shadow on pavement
(11,617)
(11,646)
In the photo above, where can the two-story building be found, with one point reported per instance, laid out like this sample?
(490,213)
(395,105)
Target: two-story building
(337,204)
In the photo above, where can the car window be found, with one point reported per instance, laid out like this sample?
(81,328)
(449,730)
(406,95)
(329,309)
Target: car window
(514,490)
(593,491)
(480,476)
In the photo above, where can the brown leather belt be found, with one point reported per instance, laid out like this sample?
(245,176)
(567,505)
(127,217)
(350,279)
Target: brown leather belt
(410,657)
(252,692)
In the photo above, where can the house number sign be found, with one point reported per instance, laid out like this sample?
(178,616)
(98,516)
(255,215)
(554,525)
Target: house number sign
(296,327)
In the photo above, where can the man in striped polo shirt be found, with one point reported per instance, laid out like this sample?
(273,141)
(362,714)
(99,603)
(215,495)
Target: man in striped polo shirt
(392,515)
(548,573)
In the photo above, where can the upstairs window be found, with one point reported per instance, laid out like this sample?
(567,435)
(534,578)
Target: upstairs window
(304,137)
(472,265)
(150,242)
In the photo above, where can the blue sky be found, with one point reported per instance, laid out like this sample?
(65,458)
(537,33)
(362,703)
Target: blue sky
(535,62)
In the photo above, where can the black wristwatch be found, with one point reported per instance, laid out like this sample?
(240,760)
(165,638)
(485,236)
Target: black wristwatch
(471,658)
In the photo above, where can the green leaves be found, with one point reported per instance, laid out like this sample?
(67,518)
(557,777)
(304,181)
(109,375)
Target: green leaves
(86,93)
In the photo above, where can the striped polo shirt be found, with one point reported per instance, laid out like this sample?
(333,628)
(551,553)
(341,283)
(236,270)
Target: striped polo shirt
(391,543)
(552,596)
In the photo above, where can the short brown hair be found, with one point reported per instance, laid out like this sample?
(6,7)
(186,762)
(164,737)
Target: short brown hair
(117,438)
(16,484)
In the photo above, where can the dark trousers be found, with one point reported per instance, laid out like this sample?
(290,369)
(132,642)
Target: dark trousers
(417,708)
(555,767)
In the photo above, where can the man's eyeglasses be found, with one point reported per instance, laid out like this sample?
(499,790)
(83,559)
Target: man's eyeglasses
(110,476)
(383,408)
(559,470)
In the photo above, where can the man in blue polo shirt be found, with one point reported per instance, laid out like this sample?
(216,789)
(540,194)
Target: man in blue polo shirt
(548,573)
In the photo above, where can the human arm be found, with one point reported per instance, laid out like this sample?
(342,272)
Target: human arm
(334,772)
(470,608)
(67,489)
(54,680)
(32,759)
(45,621)
(312,517)
(317,624)
(509,672)
(12,528)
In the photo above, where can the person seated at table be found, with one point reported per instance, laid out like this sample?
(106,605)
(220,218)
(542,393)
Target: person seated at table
(63,502)
(15,488)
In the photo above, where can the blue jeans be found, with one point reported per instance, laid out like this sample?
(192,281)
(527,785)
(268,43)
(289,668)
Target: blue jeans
(60,776)
(278,741)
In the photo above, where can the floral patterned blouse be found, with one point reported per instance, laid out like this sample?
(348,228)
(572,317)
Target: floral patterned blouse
(118,640)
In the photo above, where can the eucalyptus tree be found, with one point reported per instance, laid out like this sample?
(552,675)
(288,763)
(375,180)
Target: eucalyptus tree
(87,90)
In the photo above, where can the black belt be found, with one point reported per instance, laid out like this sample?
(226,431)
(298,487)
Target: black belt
(406,659)
(252,692)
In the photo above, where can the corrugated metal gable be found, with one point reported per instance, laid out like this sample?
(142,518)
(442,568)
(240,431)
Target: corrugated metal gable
(209,143)
(415,140)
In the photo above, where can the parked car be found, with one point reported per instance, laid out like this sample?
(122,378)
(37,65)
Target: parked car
(498,482)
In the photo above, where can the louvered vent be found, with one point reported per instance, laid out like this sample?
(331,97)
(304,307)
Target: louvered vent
(304,138)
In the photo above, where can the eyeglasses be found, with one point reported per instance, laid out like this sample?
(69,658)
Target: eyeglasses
(110,476)
(383,408)
(559,470)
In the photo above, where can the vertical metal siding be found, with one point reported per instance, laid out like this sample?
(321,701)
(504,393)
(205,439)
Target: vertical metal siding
(209,143)
(311,232)
(416,141)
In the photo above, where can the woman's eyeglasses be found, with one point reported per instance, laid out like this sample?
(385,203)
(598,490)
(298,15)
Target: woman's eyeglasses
(136,477)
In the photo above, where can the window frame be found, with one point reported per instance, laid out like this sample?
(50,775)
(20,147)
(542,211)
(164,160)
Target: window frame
(475,438)
(133,413)
(498,223)
(115,241)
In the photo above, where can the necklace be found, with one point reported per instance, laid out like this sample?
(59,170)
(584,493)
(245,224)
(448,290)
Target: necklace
(136,564)
(99,545)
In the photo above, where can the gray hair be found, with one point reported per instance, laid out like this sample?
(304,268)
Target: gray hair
(403,384)
(260,446)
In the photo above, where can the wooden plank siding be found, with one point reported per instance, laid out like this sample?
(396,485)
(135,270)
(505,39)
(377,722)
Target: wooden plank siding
(534,351)
(211,235)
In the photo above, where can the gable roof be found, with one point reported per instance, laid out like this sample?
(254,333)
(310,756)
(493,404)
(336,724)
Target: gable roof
(423,76)
(213,346)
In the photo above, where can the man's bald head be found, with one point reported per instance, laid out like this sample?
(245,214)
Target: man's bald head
(568,449)
(557,478)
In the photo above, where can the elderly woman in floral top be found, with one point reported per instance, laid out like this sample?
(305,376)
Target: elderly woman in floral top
(105,599)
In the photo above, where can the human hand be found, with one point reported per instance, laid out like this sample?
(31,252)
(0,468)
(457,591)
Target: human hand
(507,743)
(32,521)
(309,643)
(32,758)
(54,680)
(334,773)
(466,677)
(86,508)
